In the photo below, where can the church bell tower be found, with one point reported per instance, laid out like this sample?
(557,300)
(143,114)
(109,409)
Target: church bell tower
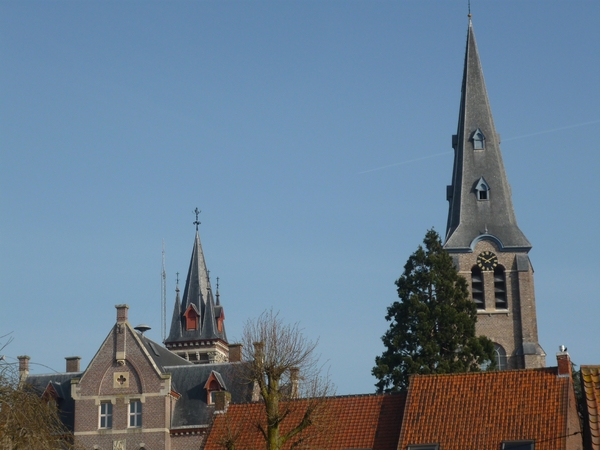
(482,234)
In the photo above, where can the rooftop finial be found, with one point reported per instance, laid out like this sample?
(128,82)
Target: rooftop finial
(218,302)
(177,283)
(469,9)
(197,222)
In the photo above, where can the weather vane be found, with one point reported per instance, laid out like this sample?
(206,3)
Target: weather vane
(197,222)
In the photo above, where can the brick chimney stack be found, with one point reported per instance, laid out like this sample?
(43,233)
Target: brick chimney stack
(23,369)
(294,379)
(222,399)
(564,362)
(122,313)
(259,351)
(23,365)
(235,352)
(73,363)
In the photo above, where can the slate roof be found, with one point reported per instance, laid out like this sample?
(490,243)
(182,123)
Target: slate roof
(61,382)
(192,409)
(197,292)
(481,410)
(590,384)
(346,422)
(161,356)
(470,219)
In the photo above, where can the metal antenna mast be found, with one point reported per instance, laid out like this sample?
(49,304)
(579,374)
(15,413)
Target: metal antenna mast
(163,295)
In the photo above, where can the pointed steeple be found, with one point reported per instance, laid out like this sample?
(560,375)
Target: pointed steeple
(197,282)
(479,210)
(175,331)
(197,330)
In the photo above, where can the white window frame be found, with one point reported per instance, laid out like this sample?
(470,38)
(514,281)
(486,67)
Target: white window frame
(105,412)
(135,414)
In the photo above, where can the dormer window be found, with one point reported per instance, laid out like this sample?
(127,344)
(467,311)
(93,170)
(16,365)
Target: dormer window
(191,318)
(482,189)
(478,140)
(213,385)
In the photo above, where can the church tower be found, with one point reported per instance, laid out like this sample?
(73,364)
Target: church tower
(197,329)
(482,234)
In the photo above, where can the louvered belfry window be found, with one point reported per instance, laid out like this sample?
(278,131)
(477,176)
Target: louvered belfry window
(500,288)
(477,287)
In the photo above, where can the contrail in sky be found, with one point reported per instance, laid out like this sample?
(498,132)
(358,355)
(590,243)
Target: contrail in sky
(404,162)
(553,130)
(505,140)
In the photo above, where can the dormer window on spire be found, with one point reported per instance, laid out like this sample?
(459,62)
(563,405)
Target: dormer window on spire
(192,317)
(478,140)
(482,189)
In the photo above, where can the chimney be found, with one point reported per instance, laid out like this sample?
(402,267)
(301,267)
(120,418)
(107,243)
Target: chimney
(564,362)
(235,352)
(294,371)
(122,313)
(73,363)
(23,366)
(259,351)
(121,327)
(255,392)
(222,399)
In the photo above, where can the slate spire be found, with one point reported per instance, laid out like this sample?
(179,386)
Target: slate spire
(480,197)
(196,320)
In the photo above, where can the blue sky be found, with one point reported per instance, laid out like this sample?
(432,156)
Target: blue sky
(315,136)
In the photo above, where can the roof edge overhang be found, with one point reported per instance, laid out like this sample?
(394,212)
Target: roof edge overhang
(492,238)
(197,341)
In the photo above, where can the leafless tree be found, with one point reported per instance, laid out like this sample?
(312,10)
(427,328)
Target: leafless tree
(288,379)
(27,421)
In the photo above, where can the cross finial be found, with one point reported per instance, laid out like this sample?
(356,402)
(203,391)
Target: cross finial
(469,9)
(218,301)
(177,277)
(197,222)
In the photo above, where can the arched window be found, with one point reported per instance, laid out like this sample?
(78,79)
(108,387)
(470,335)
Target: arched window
(500,354)
(478,140)
(500,288)
(477,287)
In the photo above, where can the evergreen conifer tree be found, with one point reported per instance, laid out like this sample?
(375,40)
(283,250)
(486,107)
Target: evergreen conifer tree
(432,326)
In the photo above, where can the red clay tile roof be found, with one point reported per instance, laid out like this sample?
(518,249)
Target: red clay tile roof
(590,379)
(481,410)
(359,422)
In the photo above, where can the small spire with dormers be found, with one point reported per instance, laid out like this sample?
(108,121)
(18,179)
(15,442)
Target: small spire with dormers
(197,300)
